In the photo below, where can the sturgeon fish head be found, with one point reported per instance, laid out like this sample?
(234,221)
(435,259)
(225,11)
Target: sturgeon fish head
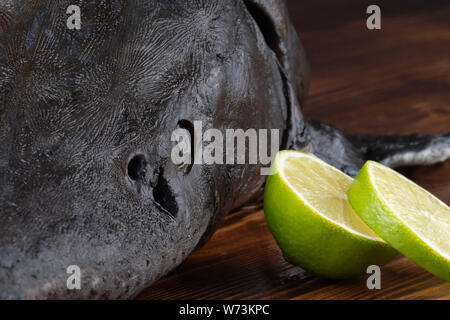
(86,120)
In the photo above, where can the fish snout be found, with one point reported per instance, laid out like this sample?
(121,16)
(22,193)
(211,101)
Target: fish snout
(123,220)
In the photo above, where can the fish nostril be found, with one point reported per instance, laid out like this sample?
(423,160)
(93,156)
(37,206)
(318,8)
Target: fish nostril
(137,168)
(164,196)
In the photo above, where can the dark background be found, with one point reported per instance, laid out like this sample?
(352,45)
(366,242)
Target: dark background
(390,81)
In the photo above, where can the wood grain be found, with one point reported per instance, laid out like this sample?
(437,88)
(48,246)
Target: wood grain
(392,81)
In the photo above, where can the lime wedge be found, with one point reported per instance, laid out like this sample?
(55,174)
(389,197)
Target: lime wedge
(409,218)
(308,213)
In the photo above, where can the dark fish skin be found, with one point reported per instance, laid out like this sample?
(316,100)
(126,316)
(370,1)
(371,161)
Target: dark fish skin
(86,118)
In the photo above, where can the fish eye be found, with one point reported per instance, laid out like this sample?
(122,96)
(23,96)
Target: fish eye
(137,168)
(189,127)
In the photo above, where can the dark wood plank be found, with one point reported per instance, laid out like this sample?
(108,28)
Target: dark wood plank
(393,81)
(242,261)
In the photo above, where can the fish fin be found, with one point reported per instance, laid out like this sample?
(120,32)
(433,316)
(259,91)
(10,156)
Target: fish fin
(348,153)
(332,146)
(401,151)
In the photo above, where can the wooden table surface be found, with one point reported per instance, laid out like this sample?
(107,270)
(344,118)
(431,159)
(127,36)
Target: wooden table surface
(392,81)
